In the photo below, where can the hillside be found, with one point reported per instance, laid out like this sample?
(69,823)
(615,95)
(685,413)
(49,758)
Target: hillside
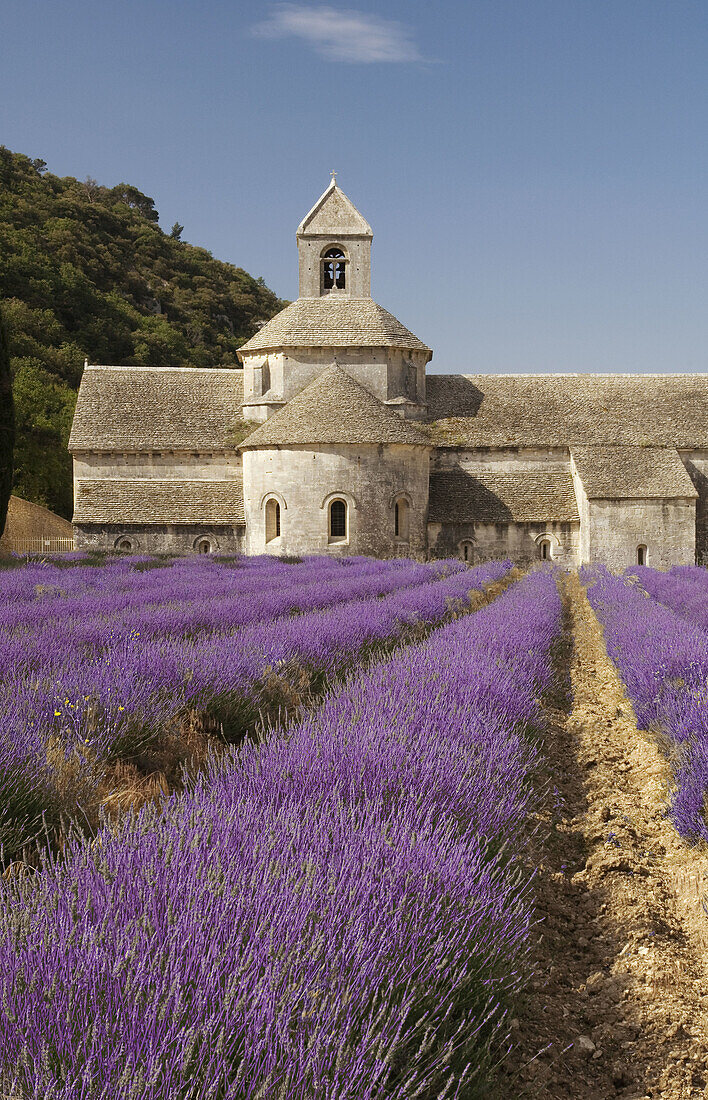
(87,272)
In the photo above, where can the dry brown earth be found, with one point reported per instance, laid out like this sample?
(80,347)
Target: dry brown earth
(619,1007)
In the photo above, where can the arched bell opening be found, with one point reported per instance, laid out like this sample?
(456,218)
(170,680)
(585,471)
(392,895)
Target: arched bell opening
(333,270)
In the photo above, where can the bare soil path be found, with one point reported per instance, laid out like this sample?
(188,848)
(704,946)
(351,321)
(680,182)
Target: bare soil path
(620,1004)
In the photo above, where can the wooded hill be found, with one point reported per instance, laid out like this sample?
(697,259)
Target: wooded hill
(86,272)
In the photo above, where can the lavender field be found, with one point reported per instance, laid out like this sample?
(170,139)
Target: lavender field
(268,828)
(333,908)
(338,911)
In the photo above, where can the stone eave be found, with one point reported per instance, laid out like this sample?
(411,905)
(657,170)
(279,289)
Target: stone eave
(321,446)
(213,451)
(645,496)
(128,526)
(331,348)
(264,401)
(346,235)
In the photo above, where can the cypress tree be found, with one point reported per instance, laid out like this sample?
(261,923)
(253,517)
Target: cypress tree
(7,425)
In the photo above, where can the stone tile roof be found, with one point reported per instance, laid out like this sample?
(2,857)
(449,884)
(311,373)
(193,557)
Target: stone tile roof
(334,408)
(488,496)
(333,322)
(157,409)
(147,500)
(665,410)
(626,473)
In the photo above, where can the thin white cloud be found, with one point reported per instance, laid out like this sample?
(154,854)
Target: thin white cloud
(341,35)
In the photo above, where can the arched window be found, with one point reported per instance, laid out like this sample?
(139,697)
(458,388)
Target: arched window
(337,520)
(124,544)
(204,546)
(272,519)
(334,275)
(641,555)
(400,519)
(544,547)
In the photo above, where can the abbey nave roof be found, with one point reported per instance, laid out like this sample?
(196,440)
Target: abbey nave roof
(559,410)
(156,409)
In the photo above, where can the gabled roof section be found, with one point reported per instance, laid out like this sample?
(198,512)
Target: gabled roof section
(152,501)
(632,473)
(332,322)
(559,410)
(157,409)
(334,409)
(488,496)
(334,215)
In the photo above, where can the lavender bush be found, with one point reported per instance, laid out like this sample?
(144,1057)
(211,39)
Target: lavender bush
(663,662)
(340,913)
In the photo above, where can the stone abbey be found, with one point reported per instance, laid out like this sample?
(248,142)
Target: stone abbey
(331,438)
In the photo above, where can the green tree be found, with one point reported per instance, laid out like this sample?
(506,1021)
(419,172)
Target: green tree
(7,425)
(87,272)
(44,409)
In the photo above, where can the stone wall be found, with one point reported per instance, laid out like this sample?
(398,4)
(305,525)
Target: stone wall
(177,464)
(584,513)
(696,462)
(303,480)
(153,539)
(502,459)
(517,538)
(357,251)
(156,538)
(493,541)
(617,527)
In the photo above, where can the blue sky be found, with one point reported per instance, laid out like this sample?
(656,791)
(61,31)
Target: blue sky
(535,171)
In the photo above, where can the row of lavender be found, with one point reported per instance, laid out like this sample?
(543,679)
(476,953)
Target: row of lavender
(113,693)
(188,596)
(662,657)
(341,914)
(684,589)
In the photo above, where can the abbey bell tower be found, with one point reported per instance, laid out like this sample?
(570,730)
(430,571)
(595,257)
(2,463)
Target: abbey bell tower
(334,246)
(334,322)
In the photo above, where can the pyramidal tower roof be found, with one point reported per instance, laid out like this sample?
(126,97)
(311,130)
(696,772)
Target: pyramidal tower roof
(335,323)
(334,215)
(334,409)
